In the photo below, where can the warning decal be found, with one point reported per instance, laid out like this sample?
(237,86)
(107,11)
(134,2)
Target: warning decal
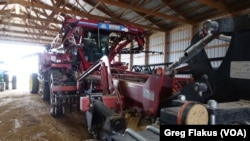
(240,69)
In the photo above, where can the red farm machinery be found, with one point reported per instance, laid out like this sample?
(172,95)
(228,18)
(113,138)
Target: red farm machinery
(79,67)
(77,48)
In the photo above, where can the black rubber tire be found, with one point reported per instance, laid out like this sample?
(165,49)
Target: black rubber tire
(56,102)
(14,82)
(46,91)
(35,83)
(6,80)
(56,106)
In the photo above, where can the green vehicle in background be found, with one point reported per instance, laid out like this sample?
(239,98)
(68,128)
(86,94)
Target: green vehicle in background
(5,78)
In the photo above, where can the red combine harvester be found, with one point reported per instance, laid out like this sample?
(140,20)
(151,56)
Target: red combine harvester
(79,68)
(79,45)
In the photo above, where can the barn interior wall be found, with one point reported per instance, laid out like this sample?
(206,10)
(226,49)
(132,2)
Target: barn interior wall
(173,43)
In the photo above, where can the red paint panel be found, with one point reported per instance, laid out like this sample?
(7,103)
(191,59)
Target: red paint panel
(64,88)
(84,103)
(109,101)
(149,94)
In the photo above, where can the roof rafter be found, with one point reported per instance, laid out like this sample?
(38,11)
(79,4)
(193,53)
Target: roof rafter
(30,17)
(97,6)
(220,5)
(145,11)
(30,26)
(41,18)
(80,13)
(174,8)
(23,32)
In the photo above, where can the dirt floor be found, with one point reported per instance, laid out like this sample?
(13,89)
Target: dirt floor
(26,117)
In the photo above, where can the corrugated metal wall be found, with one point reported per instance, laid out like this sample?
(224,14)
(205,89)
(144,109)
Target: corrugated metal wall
(157,44)
(173,47)
(126,59)
(179,41)
(133,59)
(216,48)
(139,59)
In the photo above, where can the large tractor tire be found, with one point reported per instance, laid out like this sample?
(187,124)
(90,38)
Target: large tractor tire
(14,81)
(34,83)
(56,100)
(45,91)
(56,105)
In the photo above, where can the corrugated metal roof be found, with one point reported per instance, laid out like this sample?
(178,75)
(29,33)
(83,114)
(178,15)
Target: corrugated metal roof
(152,4)
(151,15)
